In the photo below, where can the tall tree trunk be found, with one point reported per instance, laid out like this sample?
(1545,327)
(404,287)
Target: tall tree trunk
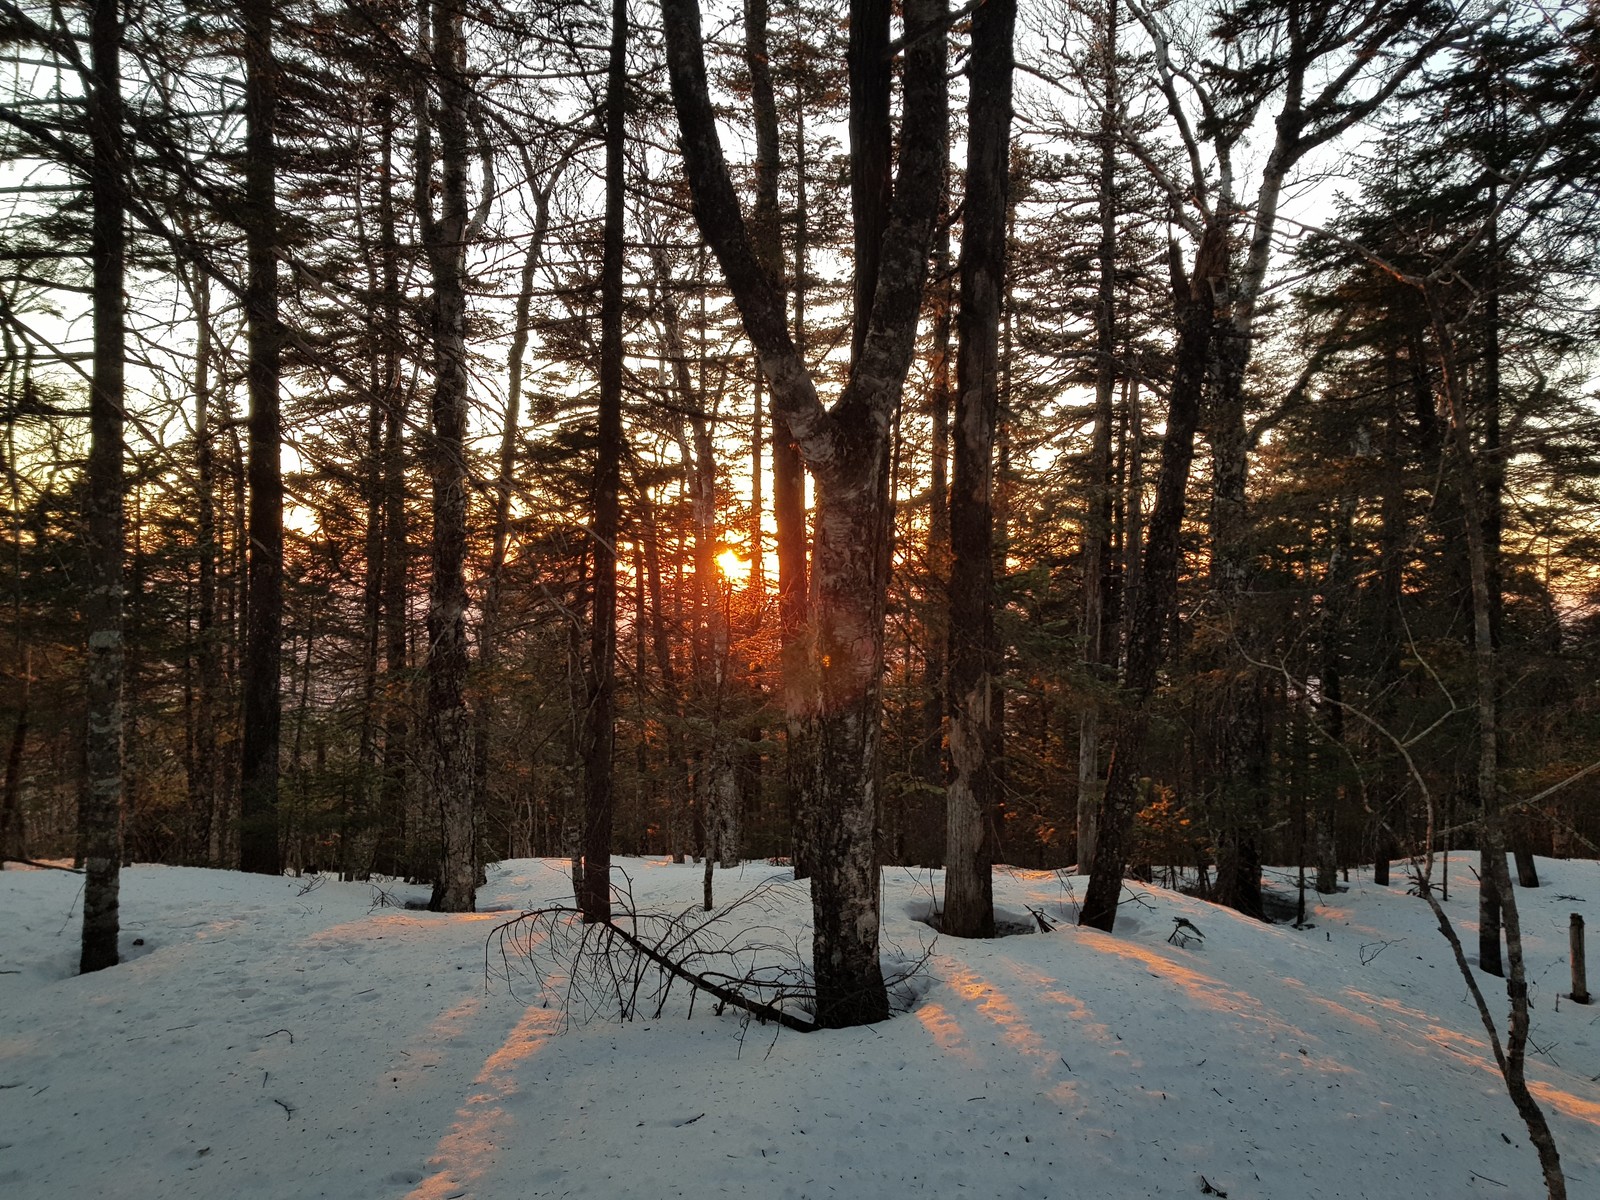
(789,520)
(100,815)
(936,628)
(355,848)
(1133,542)
(1392,540)
(259,849)
(767,233)
(393,835)
(847,449)
(1097,526)
(870,68)
(1158,588)
(1486,697)
(600,718)
(446,237)
(203,779)
(970,830)
(1335,602)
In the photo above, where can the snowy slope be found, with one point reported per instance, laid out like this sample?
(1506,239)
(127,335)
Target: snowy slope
(267,1040)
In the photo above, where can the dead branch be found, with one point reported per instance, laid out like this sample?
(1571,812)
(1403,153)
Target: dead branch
(621,965)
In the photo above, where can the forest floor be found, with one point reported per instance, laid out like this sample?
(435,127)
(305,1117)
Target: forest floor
(287,1038)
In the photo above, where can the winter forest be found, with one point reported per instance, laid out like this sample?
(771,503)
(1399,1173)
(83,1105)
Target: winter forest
(1086,456)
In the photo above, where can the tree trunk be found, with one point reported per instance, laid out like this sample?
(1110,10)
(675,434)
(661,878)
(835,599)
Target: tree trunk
(13,834)
(445,237)
(767,233)
(789,519)
(936,629)
(1335,600)
(100,816)
(394,835)
(847,449)
(1486,694)
(971,833)
(259,849)
(600,722)
(1157,596)
(203,779)
(1097,525)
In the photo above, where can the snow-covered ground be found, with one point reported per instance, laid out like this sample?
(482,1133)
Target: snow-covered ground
(266,1038)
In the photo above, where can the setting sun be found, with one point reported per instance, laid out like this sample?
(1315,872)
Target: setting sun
(734,568)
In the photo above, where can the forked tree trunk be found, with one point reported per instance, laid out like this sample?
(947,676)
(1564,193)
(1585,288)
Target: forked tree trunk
(970,827)
(259,848)
(100,813)
(847,449)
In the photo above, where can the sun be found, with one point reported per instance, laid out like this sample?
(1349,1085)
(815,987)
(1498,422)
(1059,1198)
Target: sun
(734,568)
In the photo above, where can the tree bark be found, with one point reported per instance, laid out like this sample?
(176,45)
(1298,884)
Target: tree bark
(600,720)
(971,833)
(203,778)
(936,629)
(1097,525)
(259,849)
(445,237)
(100,819)
(394,836)
(847,450)
(789,520)
(13,833)
(1330,791)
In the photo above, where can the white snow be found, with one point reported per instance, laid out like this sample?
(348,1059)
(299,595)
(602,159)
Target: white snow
(266,1040)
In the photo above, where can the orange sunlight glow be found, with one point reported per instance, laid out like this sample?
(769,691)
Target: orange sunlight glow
(734,568)
(482,1122)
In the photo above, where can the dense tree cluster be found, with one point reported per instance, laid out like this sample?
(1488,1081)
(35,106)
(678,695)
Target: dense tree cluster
(1144,436)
